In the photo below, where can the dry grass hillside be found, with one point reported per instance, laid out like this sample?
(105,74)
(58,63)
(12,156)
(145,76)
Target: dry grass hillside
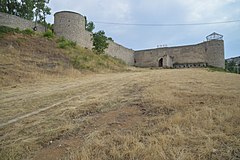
(185,114)
(27,57)
(51,107)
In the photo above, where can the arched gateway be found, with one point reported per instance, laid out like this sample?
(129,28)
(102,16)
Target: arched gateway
(160,62)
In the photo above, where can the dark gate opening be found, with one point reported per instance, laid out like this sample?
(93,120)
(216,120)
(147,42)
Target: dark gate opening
(160,62)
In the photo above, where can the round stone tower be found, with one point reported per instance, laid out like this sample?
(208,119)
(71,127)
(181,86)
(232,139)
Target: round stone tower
(215,50)
(69,25)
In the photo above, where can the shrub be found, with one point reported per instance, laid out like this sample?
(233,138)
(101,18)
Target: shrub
(90,26)
(99,42)
(28,32)
(4,30)
(82,62)
(17,30)
(64,43)
(48,34)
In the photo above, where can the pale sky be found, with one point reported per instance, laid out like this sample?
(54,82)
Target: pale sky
(160,12)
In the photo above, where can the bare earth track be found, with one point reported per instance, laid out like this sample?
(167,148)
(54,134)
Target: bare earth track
(152,114)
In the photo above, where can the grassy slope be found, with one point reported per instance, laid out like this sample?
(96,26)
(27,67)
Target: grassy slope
(183,114)
(159,114)
(30,58)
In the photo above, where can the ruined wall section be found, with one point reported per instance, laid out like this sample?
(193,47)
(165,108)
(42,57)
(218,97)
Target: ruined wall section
(17,22)
(120,52)
(71,25)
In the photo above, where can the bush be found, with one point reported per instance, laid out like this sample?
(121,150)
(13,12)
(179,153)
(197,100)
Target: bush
(17,30)
(99,42)
(48,34)
(64,43)
(28,32)
(232,66)
(4,30)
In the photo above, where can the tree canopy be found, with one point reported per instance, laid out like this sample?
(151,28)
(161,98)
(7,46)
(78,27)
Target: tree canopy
(232,66)
(90,26)
(99,42)
(28,9)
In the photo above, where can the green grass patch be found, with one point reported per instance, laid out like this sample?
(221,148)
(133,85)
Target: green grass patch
(28,32)
(49,34)
(86,60)
(64,43)
(6,30)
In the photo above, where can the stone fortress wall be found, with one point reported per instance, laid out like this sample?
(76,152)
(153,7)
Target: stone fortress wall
(71,25)
(17,22)
(209,53)
(123,53)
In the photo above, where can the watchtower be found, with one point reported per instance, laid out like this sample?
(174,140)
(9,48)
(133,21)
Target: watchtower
(214,50)
(71,25)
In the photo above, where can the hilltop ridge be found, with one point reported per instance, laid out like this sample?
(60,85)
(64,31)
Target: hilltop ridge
(234,59)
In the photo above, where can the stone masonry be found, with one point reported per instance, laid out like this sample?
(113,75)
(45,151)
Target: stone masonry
(71,25)
(209,53)
(17,22)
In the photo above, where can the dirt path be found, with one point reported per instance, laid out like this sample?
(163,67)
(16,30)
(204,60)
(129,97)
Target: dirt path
(20,102)
(87,86)
(123,115)
(36,112)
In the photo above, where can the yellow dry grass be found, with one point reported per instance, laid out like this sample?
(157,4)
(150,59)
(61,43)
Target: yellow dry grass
(153,114)
(28,59)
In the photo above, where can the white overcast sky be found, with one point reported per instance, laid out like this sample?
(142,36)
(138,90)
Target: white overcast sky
(160,12)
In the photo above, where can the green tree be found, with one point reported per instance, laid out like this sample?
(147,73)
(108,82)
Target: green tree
(41,10)
(110,39)
(90,26)
(231,66)
(10,6)
(26,9)
(99,42)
